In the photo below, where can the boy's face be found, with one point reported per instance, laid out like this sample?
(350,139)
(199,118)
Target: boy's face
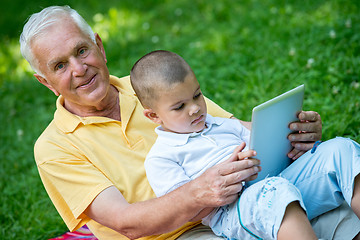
(181,109)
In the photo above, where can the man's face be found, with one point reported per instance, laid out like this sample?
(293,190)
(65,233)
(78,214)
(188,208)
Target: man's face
(182,109)
(72,64)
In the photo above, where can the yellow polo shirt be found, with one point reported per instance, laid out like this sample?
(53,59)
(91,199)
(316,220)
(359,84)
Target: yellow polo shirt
(78,157)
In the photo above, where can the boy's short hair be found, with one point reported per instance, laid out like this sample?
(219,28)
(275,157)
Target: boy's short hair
(155,71)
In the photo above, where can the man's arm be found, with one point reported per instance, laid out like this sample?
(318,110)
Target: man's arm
(219,185)
(140,219)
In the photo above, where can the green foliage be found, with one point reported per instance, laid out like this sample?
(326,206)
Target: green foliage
(243,53)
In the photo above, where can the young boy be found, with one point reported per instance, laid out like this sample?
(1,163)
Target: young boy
(190,141)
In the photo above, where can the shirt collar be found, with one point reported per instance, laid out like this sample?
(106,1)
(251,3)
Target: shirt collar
(68,122)
(179,139)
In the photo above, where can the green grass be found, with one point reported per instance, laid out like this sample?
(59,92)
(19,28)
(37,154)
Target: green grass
(243,53)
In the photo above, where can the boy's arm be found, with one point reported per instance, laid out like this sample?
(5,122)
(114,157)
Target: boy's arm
(245,124)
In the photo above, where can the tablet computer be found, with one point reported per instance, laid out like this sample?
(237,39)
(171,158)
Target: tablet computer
(269,131)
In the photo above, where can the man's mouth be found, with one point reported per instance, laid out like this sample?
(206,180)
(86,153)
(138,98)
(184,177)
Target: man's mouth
(88,83)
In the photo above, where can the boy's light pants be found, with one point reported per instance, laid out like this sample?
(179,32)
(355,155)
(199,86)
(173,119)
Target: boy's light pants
(325,179)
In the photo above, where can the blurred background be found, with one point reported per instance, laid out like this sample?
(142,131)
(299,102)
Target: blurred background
(243,53)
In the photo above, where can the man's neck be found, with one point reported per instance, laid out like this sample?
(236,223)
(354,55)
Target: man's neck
(109,107)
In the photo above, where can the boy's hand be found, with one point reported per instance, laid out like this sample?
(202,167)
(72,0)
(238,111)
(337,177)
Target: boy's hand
(308,131)
(247,159)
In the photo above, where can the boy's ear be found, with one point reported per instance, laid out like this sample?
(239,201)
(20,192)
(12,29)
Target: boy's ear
(150,114)
(44,82)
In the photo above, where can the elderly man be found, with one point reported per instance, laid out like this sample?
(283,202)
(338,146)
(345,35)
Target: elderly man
(90,157)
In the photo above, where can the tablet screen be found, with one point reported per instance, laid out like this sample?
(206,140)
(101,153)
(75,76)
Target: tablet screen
(270,128)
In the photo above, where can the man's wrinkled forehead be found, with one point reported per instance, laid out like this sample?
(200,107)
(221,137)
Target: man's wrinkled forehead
(58,41)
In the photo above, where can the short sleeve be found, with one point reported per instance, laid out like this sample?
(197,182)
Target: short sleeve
(71,182)
(164,174)
(243,132)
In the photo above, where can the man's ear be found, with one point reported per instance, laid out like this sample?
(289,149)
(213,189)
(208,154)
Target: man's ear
(100,45)
(44,82)
(150,114)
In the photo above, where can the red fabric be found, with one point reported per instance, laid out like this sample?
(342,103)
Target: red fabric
(81,233)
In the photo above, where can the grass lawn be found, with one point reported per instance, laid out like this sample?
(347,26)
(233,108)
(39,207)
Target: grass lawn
(243,53)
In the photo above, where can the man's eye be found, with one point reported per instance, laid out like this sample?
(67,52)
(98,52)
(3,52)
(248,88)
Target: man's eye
(83,51)
(59,66)
(179,107)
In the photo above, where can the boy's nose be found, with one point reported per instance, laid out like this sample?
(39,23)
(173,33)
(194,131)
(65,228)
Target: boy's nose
(194,109)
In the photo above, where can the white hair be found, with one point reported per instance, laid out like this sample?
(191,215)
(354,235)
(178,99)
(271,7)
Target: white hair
(39,22)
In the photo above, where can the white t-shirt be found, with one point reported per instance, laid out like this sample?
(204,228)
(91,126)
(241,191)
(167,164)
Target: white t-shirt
(175,158)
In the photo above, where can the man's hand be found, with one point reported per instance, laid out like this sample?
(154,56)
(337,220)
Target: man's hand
(220,184)
(308,130)
(227,190)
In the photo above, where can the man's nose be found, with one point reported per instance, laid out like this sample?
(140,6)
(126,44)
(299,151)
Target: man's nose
(195,108)
(78,67)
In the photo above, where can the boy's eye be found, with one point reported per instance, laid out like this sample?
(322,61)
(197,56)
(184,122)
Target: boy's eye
(179,107)
(197,95)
